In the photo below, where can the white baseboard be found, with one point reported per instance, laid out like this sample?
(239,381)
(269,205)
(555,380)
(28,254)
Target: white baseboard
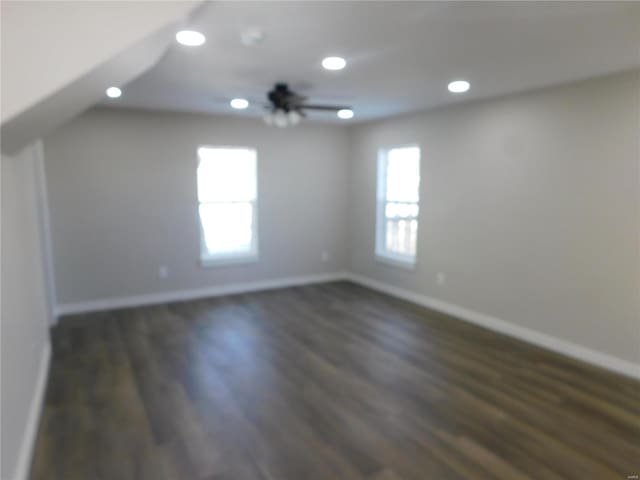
(544,340)
(181,295)
(23,464)
(558,345)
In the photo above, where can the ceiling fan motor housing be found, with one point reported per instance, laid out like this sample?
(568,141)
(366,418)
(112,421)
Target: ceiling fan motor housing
(284,99)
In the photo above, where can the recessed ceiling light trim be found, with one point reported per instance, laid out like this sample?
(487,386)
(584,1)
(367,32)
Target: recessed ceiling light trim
(113,92)
(239,103)
(190,38)
(345,113)
(334,63)
(459,86)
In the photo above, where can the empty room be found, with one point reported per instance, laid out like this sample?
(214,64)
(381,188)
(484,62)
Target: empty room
(318,240)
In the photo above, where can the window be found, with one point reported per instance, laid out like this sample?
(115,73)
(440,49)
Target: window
(227,204)
(398,204)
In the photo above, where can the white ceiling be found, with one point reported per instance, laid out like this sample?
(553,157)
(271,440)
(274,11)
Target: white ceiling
(400,55)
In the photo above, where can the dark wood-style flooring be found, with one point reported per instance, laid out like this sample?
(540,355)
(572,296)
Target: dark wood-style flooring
(331,382)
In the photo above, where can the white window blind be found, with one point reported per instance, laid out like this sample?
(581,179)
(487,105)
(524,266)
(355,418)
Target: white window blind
(398,204)
(227,197)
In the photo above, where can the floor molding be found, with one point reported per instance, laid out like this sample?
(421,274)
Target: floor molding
(544,340)
(182,295)
(23,464)
(550,342)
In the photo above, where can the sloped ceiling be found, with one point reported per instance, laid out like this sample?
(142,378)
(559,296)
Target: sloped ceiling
(58,57)
(401,54)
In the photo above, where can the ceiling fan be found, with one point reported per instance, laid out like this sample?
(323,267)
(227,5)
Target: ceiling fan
(287,108)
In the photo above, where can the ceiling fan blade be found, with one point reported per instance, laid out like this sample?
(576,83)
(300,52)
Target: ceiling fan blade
(331,108)
(295,98)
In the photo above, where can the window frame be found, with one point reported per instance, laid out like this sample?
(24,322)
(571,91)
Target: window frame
(221,259)
(381,252)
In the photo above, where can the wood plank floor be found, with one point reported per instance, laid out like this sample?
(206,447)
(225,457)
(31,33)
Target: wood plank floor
(331,381)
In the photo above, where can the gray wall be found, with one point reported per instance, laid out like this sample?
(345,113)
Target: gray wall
(529,205)
(122,199)
(24,312)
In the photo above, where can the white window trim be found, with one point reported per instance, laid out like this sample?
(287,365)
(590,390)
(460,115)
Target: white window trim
(208,260)
(381,253)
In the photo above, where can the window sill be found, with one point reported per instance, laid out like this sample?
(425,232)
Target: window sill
(395,262)
(232,260)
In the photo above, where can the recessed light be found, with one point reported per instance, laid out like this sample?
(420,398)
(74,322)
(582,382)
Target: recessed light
(239,103)
(459,86)
(334,63)
(190,38)
(114,92)
(345,113)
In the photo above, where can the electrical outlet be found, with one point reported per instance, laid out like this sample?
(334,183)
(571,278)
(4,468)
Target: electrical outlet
(163,272)
(324,256)
(441,278)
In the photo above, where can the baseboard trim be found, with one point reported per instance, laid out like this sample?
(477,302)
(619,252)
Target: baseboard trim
(182,295)
(544,340)
(23,464)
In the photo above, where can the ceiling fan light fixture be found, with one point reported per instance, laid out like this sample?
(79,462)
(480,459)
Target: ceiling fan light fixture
(289,108)
(280,119)
(239,103)
(190,38)
(334,63)
(294,118)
